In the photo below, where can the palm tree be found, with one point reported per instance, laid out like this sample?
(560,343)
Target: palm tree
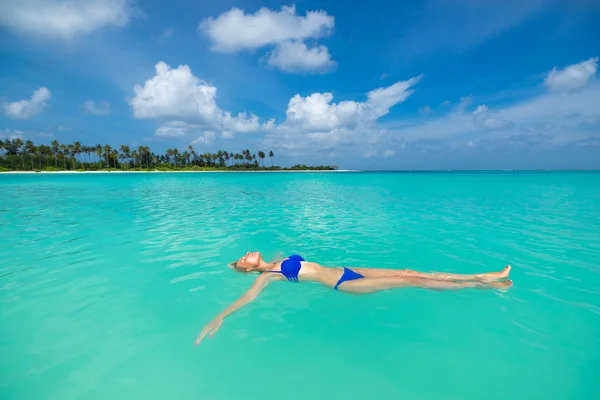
(63,152)
(261,155)
(114,154)
(76,151)
(186,157)
(192,152)
(134,155)
(175,155)
(71,154)
(107,150)
(145,154)
(122,157)
(125,153)
(86,154)
(55,150)
(9,149)
(4,146)
(141,151)
(168,154)
(47,152)
(30,148)
(271,154)
(40,153)
(150,156)
(99,151)
(17,144)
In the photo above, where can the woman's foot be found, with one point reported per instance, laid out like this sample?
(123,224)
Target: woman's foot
(501,285)
(496,276)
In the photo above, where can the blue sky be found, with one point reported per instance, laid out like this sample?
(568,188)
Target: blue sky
(415,85)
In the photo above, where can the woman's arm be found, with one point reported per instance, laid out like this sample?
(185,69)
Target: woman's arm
(259,284)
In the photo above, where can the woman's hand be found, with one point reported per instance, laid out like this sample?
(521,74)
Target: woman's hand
(214,325)
(211,328)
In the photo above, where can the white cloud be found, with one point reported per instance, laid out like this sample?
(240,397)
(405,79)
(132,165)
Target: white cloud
(463,104)
(235,30)
(24,109)
(557,116)
(177,93)
(175,129)
(382,99)
(445,103)
(572,78)
(11,134)
(295,56)
(388,153)
(101,108)
(425,110)
(243,122)
(486,119)
(383,76)
(314,120)
(315,112)
(63,19)
(316,126)
(174,93)
(227,135)
(207,138)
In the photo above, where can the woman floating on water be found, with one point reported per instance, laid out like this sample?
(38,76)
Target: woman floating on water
(349,280)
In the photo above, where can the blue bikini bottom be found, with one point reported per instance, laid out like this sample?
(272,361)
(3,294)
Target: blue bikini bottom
(348,275)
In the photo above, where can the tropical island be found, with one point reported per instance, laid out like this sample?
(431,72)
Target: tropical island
(16,155)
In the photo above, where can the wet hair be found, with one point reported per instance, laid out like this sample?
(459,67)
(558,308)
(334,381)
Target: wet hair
(233,266)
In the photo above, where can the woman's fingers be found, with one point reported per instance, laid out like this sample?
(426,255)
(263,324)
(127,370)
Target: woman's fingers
(201,336)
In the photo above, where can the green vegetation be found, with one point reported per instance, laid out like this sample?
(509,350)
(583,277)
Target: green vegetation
(16,155)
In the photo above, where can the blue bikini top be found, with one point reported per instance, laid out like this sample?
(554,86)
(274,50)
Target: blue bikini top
(290,267)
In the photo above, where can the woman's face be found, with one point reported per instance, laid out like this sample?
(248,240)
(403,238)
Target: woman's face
(250,260)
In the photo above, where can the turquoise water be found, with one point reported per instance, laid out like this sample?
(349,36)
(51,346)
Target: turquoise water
(105,281)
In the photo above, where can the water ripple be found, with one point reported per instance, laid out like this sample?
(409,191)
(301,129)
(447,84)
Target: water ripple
(105,278)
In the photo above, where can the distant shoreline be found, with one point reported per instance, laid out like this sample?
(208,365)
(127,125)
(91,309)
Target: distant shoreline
(170,172)
(424,171)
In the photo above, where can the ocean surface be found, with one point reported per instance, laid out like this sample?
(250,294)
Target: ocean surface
(107,279)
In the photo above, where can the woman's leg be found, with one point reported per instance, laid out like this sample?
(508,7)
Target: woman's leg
(370,285)
(438,276)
